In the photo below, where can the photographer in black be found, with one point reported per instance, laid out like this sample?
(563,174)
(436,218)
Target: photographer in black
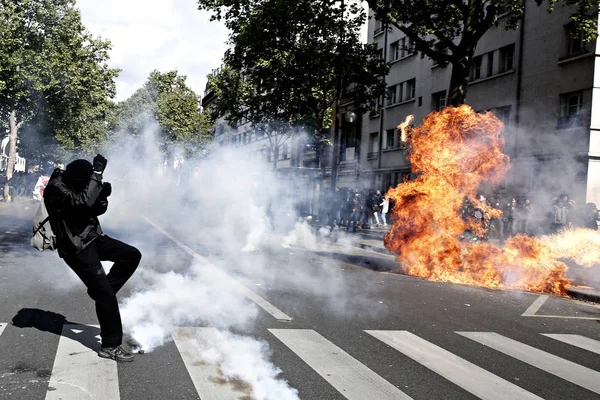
(74,199)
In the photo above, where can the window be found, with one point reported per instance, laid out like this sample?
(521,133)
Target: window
(420,101)
(400,92)
(411,48)
(475,72)
(402,48)
(490,63)
(411,89)
(380,54)
(507,58)
(572,103)
(392,94)
(576,44)
(395,51)
(373,146)
(378,27)
(571,107)
(389,139)
(438,100)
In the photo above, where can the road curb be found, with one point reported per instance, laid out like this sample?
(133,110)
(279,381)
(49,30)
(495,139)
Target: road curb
(587,294)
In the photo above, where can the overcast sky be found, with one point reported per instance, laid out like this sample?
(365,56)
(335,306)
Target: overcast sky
(157,34)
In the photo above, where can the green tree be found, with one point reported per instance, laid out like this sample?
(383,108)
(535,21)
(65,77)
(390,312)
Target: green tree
(166,99)
(290,61)
(53,73)
(448,31)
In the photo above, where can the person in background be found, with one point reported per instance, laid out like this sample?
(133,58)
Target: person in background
(385,206)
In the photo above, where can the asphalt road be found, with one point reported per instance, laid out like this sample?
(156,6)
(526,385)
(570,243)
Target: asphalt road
(354,332)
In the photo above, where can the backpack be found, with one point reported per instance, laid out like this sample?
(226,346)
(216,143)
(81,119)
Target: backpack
(43,238)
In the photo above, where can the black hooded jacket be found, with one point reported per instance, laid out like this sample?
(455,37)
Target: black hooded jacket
(74,200)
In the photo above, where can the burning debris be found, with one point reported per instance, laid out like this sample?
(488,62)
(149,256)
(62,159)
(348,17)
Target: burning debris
(452,153)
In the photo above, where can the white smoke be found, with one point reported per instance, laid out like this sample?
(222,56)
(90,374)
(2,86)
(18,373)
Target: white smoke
(234,211)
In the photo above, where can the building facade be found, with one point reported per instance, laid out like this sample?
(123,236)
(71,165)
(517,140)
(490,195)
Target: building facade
(538,81)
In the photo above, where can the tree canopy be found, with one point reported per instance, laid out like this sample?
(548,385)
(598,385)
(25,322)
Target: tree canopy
(448,31)
(53,74)
(166,99)
(290,60)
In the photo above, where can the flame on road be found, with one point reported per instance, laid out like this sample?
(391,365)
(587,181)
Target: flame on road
(451,154)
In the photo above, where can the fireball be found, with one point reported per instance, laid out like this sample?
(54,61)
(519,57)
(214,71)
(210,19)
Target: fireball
(452,153)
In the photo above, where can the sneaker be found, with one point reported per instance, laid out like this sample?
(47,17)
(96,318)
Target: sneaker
(116,353)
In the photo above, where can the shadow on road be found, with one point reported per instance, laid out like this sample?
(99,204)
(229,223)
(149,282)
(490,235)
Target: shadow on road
(374,263)
(48,321)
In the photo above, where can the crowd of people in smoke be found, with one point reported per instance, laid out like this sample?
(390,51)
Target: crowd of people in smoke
(520,216)
(356,209)
(21,184)
(352,209)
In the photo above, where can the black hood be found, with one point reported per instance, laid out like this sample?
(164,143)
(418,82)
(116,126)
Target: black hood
(78,173)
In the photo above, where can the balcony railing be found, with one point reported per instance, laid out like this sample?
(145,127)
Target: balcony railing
(372,156)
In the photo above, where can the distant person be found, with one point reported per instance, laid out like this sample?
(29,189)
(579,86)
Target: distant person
(74,199)
(385,207)
(562,209)
(590,216)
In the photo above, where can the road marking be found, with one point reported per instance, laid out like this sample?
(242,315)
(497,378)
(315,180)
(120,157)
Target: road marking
(352,379)
(2,326)
(552,364)
(206,377)
(78,372)
(255,297)
(539,302)
(459,371)
(577,340)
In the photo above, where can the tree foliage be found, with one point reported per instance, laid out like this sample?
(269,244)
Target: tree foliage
(290,60)
(166,99)
(448,31)
(53,74)
(53,71)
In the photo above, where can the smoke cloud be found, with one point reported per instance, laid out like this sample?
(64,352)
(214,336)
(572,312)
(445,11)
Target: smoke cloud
(238,216)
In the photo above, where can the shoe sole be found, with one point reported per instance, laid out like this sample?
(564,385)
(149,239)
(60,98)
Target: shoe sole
(108,357)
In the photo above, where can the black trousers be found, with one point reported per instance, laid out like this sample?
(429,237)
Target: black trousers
(102,287)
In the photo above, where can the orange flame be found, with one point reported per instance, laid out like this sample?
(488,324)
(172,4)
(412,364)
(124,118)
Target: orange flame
(452,153)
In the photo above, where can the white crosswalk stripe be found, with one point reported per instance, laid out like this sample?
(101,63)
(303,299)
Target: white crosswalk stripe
(552,364)
(206,377)
(578,341)
(351,378)
(468,376)
(78,372)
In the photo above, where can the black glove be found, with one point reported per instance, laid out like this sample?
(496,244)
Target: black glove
(100,163)
(106,190)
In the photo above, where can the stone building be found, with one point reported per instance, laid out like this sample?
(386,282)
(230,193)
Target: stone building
(537,80)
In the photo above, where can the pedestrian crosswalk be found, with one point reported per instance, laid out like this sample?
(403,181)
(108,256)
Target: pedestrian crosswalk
(79,373)
(578,341)
(470,377)
(550,363)
(341,370)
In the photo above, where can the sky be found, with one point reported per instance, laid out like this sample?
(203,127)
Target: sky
(157,34)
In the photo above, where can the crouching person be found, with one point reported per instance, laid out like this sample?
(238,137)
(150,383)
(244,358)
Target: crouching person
(74,199)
